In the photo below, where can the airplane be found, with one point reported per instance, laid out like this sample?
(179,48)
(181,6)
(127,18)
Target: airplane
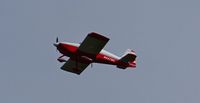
(81,55)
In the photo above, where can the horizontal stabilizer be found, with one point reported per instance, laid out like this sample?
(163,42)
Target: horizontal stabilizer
(128,59)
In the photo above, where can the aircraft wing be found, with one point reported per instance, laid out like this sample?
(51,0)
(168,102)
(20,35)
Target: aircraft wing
(86,53)
(74,66)
(92,45)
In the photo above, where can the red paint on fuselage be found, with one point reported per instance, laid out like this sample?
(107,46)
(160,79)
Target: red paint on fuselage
(66,49)
(69,50)
(102,58)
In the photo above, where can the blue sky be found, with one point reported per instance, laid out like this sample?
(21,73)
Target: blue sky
(164,34)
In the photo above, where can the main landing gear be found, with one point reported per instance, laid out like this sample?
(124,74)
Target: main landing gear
(60,59)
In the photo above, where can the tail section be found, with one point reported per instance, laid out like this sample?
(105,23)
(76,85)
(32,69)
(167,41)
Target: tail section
(127,60)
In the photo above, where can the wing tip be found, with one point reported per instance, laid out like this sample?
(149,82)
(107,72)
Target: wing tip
(98,36)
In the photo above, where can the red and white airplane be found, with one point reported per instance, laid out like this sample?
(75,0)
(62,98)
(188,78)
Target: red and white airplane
(91,51)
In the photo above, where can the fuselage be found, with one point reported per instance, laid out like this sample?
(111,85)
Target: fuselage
(69,49)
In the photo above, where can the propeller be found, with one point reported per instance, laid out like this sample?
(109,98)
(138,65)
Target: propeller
(57,40)
(56,44)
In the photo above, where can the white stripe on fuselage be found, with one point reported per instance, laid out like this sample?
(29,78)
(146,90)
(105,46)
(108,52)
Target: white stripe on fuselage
(109,54)
(102,51)
(73,44)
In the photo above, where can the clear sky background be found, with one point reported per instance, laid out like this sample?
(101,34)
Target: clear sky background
(164,33)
